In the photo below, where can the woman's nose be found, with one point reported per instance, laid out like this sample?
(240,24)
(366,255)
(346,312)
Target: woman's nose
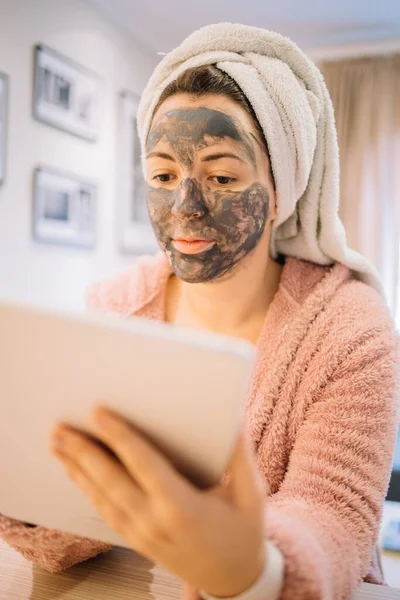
(189,202)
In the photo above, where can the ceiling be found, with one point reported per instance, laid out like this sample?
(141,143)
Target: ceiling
(160,25)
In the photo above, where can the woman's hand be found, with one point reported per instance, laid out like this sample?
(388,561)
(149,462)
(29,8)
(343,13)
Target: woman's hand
(213,540)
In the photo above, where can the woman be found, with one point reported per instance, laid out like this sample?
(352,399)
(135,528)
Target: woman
(241,163)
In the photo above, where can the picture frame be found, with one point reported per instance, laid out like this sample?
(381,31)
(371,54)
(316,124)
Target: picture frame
(135,233)
(4,92)
(393,493)
(66,95)
(64,209)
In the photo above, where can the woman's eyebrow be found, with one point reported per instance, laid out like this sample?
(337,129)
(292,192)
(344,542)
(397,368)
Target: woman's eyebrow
(207,158)
(160,155)
(218,155)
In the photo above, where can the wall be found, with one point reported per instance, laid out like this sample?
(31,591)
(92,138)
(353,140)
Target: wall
(48,275)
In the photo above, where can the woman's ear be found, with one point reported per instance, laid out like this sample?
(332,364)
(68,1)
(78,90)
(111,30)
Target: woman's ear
(270,184)
(273,209)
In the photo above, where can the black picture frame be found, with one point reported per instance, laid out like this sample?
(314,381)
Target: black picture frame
(65,224)
(393,494)
(58,94)
(4,101)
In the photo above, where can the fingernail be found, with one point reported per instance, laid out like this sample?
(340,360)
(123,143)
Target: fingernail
(59,439)
(59,454)
(101,417)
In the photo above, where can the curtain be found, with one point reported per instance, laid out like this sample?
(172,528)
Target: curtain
(366,98)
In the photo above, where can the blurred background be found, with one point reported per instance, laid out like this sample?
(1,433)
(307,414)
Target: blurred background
(72,203)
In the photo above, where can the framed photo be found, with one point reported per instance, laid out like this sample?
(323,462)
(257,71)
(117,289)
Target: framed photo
(64,209)
(393,493)
(3,124)
(66,95)
(135,230)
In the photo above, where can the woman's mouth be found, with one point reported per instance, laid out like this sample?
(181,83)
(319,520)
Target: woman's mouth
(192,246)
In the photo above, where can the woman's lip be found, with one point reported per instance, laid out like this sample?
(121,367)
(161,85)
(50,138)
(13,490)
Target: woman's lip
(192,246)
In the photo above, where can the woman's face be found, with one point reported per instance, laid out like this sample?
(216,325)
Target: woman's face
(210,191)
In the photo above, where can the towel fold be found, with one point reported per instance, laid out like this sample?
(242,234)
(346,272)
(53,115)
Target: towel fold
(294,109)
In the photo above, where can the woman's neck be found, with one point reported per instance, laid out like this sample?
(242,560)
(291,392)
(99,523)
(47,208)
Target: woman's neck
(235,306)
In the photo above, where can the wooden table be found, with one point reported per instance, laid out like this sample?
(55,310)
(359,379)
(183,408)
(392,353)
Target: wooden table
(117,575)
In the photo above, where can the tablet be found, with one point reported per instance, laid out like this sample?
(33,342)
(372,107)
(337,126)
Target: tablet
(185,390)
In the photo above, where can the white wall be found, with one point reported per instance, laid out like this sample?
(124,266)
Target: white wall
(58,276)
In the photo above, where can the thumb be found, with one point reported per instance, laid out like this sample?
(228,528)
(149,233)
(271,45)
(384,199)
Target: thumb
(246,482)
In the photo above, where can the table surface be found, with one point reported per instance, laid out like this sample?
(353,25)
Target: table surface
(116,575)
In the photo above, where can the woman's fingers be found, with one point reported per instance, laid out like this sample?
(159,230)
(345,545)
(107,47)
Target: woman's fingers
(117,516)
(83,458)
(152,471)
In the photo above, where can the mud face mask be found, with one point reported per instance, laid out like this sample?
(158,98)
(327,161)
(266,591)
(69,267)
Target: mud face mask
(232,222)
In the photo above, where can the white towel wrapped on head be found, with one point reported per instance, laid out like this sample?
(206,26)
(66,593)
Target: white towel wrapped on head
(293,107)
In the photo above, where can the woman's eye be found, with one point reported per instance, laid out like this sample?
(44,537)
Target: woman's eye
(223,179)
(164,177)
